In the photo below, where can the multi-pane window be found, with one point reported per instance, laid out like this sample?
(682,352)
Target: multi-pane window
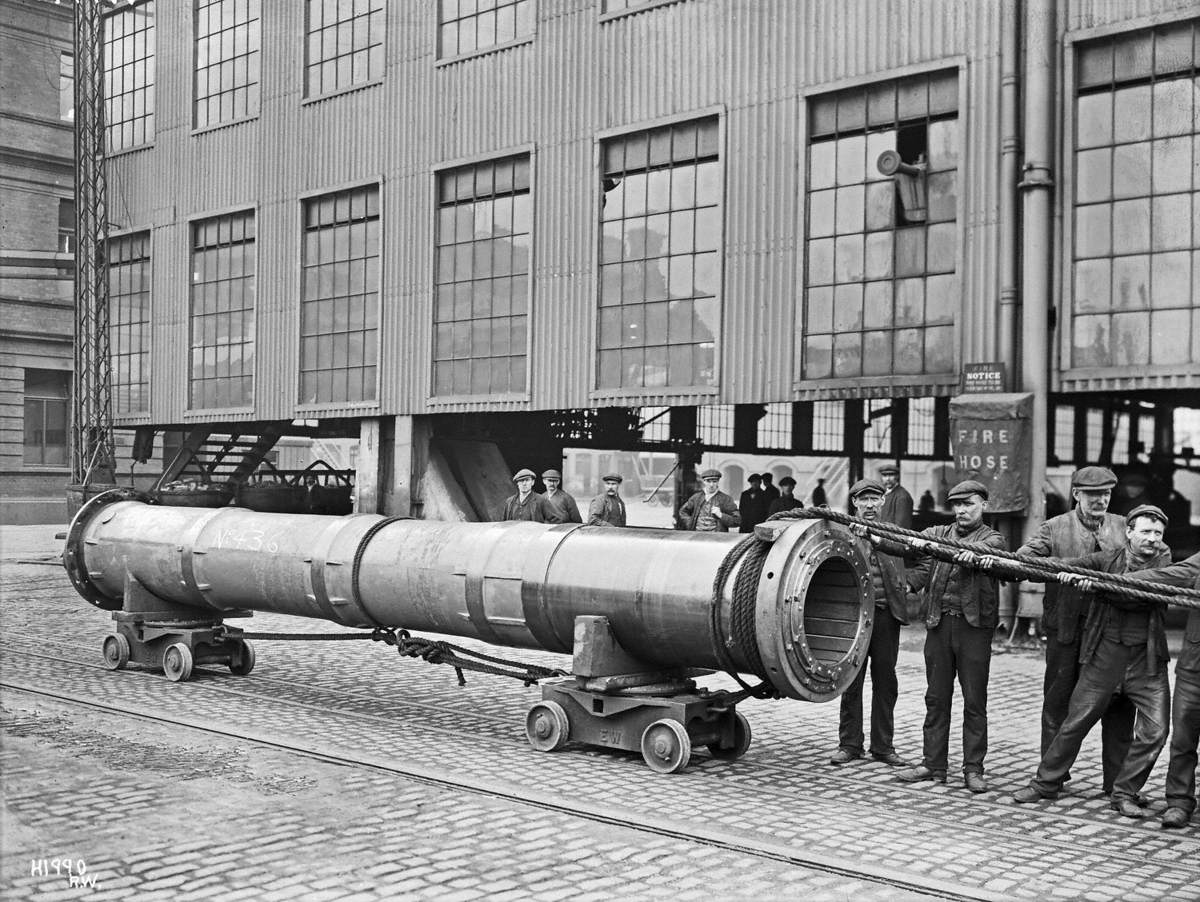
(470,25)
(881,289)
(339,309)
(66,87)
(660,273)
(228,60)
(616,6)
(480,321)
(714,425)
(129,75)
(129,322)
(1136,261)
(223,304)
(47,393)
(66,226)
(345,44)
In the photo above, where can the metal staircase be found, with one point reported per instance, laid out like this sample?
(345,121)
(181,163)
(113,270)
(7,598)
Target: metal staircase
(220,455)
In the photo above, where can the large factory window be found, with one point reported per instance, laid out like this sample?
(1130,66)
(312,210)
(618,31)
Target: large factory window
(129,76)
(881,289)
(339,310)
(345,45)
(129,322)
(659,258)
(467,26)
(1137,200)
(47,416)
(228,58)
(481,310)
(223,307)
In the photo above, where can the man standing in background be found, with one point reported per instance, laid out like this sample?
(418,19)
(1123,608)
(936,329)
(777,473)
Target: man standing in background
(752,506)
(710,509)
(786,501)
(528,504)
(897,502)
(563,503)
(607,508)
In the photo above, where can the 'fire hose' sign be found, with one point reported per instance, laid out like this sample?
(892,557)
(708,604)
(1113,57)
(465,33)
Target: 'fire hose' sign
(991,442)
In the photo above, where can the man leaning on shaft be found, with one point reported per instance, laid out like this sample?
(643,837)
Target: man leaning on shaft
(1123,651)
(1086,529)
(888,591)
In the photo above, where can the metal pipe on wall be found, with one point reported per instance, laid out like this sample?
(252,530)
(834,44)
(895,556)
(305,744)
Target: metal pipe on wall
(1041,49)
(796,611)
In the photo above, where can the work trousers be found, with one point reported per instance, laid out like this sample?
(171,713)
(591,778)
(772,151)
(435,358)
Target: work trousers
(882,654)
(1185,736)
(953,649)
(1114,668)
(1116,723)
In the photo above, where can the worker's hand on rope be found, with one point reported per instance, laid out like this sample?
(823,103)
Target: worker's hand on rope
(860,530)
(987,561)
(1078,580)
(966,558)
(919,544)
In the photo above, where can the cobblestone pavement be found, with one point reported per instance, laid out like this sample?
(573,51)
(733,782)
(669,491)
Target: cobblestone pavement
(157,810)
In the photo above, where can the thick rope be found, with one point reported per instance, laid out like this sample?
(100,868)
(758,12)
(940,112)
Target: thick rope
(1011,566)
(741,611)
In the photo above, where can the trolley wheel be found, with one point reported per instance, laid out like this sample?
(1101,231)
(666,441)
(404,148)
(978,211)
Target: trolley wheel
(116,651)
(243,662)
(547,727)
(177,662)
(741,740)
(666,746)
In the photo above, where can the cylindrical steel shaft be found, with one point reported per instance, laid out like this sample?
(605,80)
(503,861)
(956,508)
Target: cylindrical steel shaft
(796,612)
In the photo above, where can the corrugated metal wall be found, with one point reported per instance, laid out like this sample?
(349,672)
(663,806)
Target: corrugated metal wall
(579,76)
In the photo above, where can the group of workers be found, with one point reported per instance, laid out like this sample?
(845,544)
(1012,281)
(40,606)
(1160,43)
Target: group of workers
(1106,654)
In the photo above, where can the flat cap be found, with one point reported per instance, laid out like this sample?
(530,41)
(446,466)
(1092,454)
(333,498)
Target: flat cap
(889,468)
(711,474)
(864,486)
(1147,510)
(612,477)
(1093,478)
(551,474)
(966,489)
(523,473)
(787,480)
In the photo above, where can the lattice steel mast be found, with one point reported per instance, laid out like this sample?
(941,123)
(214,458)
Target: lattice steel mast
(93,456)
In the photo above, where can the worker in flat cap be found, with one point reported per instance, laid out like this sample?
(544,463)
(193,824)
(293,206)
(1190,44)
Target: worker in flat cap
(710,509)
(897,504)
(1185,703)
(562,502)
(787,500)
(888,590)
(528,504)
(1086,529)
(961,606)
(1123,651)
(607,508)
(752,505)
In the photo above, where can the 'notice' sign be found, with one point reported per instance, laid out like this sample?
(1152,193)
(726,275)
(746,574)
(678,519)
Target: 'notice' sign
(982,378)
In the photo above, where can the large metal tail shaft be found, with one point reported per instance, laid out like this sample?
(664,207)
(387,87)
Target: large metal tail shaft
(802,623)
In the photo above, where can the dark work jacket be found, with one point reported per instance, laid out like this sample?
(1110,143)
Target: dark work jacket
(568,510)
(535,508)
(1065,536)
(1187,575)
(891,568)
(897,507)
(1101,612)
(981,591)
(689,514)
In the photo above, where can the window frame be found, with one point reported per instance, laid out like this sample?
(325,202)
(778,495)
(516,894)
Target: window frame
(194,99)
(1065,377)
(151,87)
(645,6)
(42,466)
(665,395)
(518,41)
(144,416)
(201,414)
(307,98)
(380,383)
(512,399)
(915,385)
